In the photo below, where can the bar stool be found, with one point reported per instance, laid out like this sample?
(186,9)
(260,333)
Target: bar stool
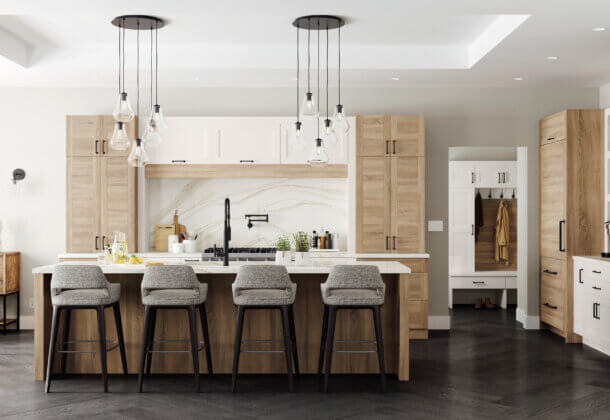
(266,287)
(173,287)
(351,287)
(83,287)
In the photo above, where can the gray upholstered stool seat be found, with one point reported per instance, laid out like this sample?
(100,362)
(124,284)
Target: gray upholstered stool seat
(173,287)
(265,286)
(351,287)
(176,297)
(265,297)
(79,287)
(88,297)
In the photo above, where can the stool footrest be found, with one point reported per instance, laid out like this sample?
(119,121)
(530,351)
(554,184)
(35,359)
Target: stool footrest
(114,345)
(201,344)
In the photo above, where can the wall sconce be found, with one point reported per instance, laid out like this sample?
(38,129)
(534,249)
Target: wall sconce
(18,175)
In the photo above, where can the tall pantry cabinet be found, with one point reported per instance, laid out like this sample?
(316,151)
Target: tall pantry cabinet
(101,188)
(390,200)
(571,209)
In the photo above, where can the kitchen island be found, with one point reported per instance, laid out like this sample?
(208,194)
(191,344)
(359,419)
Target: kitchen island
(259,325)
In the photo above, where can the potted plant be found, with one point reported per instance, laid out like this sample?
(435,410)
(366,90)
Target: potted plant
(282,253)
(302,241)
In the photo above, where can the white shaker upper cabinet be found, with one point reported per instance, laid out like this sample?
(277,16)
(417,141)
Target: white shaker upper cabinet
(183,141)
(245,140)
(463,174)
(496,174)
(299,151)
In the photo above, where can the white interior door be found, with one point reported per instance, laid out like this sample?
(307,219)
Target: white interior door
(461,230)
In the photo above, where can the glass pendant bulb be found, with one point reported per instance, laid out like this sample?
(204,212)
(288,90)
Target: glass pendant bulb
(138,157)
(298,140)
(156,115)
(152,137)
(123,111)
(319,157)
(340,124)
(119,139)
(309,106)
(329,137)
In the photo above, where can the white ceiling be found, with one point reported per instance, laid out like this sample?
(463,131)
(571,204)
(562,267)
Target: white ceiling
(252,43)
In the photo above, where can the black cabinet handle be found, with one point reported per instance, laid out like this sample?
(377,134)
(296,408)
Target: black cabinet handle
(246,161)
(103,147)
(596,271)
(393,242)
(478,282)
(503,177)
(498,177)
(387,242)
(472,230)
(550,139)
(561,249)
(596,288)
(580,275)
(103,241)
(548,305)
(472,177)
(97,142)
(97,240)
(393,147)
(191,260)
(554,273)
(387,147)
(178,161)
(595,312)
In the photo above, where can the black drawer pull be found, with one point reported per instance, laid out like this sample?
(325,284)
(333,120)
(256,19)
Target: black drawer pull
(246,161)
(554,273)
(550,139)
(387,147)
(561,248)
(580,275)
(548,305)
(192,260)
(478,282)
(596,288)
(597,272)
(178,161)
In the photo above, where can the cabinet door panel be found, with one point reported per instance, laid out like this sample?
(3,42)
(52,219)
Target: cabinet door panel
(461,230)
(462,174)
(408,204)
(118,204)
(248,140)
(83,135)
(184,141)
(553,128)
(407,135)
(553,199)
(299,151)
(373,135)
(107,128)
(373,204)
(82,204)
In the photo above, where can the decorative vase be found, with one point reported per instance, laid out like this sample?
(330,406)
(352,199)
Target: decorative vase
(282,257)
(302,258)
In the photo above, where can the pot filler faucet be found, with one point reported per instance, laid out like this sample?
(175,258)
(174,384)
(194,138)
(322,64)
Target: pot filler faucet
(227,235)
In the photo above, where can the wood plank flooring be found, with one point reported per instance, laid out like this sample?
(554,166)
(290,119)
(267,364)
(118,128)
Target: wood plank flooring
(486,367)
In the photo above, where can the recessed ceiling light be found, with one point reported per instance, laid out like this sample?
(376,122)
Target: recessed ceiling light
(395,78)
(551,57)
(518,79)
(598,29)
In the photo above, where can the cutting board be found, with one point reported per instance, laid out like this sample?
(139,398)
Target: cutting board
(179,229)
(161,234)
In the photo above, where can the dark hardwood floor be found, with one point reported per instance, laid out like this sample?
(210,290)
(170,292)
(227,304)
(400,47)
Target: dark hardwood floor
(486,367)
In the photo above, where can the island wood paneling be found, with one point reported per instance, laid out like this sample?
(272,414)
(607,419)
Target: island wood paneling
(245,171)
(221,313)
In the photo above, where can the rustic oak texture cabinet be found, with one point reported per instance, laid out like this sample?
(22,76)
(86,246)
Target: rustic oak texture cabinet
(391,199)
(101,187)
(571,208)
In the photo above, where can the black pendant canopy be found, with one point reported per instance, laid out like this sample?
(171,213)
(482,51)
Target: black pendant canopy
(138,22)
(318,22)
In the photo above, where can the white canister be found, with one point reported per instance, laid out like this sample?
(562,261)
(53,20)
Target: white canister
(178,248)
(302,258)
(190,246)
(171,240)
(282,257)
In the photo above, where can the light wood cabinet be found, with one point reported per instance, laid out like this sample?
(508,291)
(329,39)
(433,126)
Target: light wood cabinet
(373,205)
(407,135)
(408,204)
(373,135)
(101,188)
(571,208)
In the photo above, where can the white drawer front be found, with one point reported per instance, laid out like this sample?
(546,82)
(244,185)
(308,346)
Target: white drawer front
(476,282)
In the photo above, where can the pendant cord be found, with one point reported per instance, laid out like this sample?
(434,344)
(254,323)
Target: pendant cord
(157,63)
(327,72)
(119,60)
(138,73)
(339,33)
(151,67)
(123,55)
(318,52)
(308,55)
(298,67)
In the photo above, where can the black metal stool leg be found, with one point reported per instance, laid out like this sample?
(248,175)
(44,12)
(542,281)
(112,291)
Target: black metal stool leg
(239,326)
(52,344)
(206,337)
(119,332)
(287,345)
(4,313)
(18,306)
(101,325)
(151,339)
(143,346)
(192,311)
(66,338)
(293,337)
(332,317)
(323,340)
(379,338)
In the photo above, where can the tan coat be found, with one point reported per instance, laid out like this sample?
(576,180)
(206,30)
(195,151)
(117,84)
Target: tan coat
(502,233)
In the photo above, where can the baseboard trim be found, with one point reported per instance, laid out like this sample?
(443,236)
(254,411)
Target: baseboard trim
(528,322)
(439,322)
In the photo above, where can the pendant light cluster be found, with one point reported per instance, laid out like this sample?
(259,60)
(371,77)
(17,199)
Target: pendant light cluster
(338,126)
(123,112)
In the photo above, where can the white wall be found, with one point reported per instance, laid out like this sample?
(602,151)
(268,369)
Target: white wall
(604,96)
(33,137)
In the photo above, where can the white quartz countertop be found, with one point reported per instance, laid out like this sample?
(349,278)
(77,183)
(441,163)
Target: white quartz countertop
(316,267)
(318,253)
(592,258)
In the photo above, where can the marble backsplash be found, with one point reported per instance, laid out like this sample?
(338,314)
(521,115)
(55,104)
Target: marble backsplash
(292,204)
